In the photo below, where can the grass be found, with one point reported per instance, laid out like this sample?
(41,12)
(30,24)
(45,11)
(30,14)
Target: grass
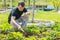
(47,15)
(44,15)
(3,17)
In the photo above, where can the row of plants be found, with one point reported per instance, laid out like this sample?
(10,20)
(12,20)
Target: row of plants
(33,32)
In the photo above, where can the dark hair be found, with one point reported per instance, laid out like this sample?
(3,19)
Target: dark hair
(21,3)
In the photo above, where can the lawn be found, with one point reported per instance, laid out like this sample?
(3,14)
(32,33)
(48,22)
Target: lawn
(47,15)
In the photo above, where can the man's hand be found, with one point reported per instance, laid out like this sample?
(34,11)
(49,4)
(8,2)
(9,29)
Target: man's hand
(19,28)
(26,15)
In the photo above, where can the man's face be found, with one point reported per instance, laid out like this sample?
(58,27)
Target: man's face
(20,8)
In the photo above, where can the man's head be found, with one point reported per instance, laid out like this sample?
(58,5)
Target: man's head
(21,6)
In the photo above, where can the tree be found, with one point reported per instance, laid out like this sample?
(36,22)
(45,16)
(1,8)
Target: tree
(29,2)
(56,4)
(5,4)
(33,11)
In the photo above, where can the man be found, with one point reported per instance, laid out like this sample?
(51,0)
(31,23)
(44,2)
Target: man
(16,17)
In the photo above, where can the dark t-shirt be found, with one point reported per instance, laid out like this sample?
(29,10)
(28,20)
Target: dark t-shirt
(15,12)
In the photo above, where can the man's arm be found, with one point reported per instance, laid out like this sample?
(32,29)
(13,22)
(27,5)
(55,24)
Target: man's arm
(17,25)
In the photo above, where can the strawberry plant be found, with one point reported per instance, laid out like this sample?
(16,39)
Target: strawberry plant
(3,37)
(30,38)
(45,33)
(58,34)
(15,36)
(32,29)
(45,38)
(5,28)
